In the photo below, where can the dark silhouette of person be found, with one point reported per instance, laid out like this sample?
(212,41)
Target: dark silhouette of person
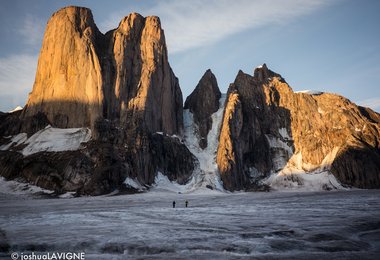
(173,204)
(186,203)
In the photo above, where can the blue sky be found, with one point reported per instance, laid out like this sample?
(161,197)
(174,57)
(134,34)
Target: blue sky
(327,45)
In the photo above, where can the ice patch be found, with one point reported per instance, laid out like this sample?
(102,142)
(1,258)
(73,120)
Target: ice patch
(310,92)
(161,182)
(194,185)
(171,136)
(20,188)
(328,160)
(14,141)
(302,181)
(284,133)
(297,175)
(18,108)
(134,184)
(67,195)
(50,139)
(275,142)
(280,150)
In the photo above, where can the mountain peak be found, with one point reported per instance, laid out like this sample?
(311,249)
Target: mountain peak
(80,17)
(203,102)
(71,9)
(262,73)
(131,20)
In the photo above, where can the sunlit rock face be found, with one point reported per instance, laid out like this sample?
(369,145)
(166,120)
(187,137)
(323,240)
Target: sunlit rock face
(140,85)
(268,128)
(68,86)
(83,75)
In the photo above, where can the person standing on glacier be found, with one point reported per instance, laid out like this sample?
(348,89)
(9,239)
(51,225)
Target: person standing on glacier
(173,204)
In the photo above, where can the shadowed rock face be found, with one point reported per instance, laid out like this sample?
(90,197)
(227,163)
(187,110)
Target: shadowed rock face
(202,103)
(101,166)
(83,75)
(265,124)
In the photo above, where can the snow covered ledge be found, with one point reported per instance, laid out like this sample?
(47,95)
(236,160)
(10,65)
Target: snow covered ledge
(310,92)
(297,176)
(50,139)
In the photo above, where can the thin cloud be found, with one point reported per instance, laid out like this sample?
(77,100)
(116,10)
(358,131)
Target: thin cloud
(192,24)
(32,30)
(373,103)
(16,80)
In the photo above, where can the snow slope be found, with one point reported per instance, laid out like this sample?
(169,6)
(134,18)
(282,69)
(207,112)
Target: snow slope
(50,139)
(299,176)
(207,174)
(14,141)
(134,184)
(20,188)
(298,180)
(18,108)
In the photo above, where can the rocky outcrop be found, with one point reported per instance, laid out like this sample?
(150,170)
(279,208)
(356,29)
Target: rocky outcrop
(309,132)
(358,166)
(173,158)
(83,75)
(96,170)
(101,167)
(202,103)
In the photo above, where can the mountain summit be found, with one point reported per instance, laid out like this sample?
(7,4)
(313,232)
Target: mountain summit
(203,102)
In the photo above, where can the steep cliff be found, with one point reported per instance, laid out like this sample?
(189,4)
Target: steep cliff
(68,87)
(229,157)
(282,130)
(139,84)
(83,75)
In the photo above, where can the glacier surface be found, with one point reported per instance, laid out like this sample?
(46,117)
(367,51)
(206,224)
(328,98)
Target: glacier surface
(269,225)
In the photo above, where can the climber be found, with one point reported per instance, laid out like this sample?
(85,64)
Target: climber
(186,203)
(173,204)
